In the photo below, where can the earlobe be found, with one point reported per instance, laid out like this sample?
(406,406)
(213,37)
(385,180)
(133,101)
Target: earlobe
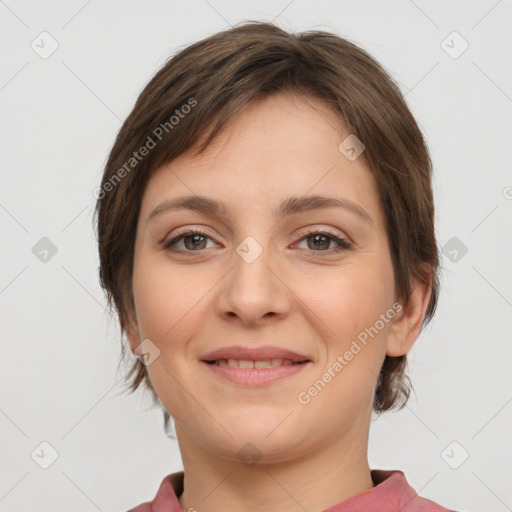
(407,323)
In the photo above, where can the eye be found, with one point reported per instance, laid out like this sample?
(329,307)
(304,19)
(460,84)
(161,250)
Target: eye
(319,241)
(194,241)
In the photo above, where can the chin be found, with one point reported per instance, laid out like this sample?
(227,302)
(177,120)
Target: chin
(258,442)
(252,450)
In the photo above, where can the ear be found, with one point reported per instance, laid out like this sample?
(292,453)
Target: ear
(406,325)
(133,335)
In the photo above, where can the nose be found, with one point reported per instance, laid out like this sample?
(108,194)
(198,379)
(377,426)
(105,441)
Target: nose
(253,292)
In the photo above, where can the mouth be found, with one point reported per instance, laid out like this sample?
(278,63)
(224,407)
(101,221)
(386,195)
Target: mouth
(254,367)
(248,363)
(242,357)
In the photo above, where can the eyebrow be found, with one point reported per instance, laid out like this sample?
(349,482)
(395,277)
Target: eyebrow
(288,206)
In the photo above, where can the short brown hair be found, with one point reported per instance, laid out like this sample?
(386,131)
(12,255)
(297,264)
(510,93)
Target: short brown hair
(217,78)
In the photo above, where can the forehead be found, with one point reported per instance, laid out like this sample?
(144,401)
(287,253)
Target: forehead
(281,145)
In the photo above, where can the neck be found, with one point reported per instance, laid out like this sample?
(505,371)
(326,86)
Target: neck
(313,482)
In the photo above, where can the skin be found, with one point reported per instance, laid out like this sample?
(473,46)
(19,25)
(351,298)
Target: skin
(316,303)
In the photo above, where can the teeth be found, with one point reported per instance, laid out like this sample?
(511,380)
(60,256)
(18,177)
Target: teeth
(245,363)
(261,364)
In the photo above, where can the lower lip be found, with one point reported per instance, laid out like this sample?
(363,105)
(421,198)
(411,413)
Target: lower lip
(255,376)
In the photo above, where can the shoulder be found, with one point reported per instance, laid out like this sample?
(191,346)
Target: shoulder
(407,499)
(419,504)
(166,499)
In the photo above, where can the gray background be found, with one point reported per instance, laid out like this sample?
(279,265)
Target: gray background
(59,352)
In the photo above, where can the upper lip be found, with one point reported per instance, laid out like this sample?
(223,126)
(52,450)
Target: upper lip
(263,353)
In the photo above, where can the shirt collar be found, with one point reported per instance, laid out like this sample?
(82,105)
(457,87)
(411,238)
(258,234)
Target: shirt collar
(391,493)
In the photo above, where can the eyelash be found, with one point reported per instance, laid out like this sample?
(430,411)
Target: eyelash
(343,244)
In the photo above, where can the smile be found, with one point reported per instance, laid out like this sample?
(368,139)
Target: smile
(246,363)
(254,373)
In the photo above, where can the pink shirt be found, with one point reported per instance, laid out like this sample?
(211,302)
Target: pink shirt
(391,493)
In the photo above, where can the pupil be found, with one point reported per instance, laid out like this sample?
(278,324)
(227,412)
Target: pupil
(317,238)
(196,239)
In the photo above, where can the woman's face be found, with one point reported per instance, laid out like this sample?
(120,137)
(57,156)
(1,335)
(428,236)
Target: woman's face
(266,271)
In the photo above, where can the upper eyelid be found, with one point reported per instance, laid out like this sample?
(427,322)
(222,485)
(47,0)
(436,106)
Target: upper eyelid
(302,231)
(308,231)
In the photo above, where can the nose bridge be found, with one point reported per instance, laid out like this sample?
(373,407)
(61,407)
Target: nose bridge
(251,289)
(250,273)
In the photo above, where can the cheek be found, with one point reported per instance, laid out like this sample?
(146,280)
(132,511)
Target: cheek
(165,298)
(168,303)
(352,301)
(352,310)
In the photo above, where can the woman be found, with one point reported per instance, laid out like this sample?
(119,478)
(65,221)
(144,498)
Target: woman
(266,236)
